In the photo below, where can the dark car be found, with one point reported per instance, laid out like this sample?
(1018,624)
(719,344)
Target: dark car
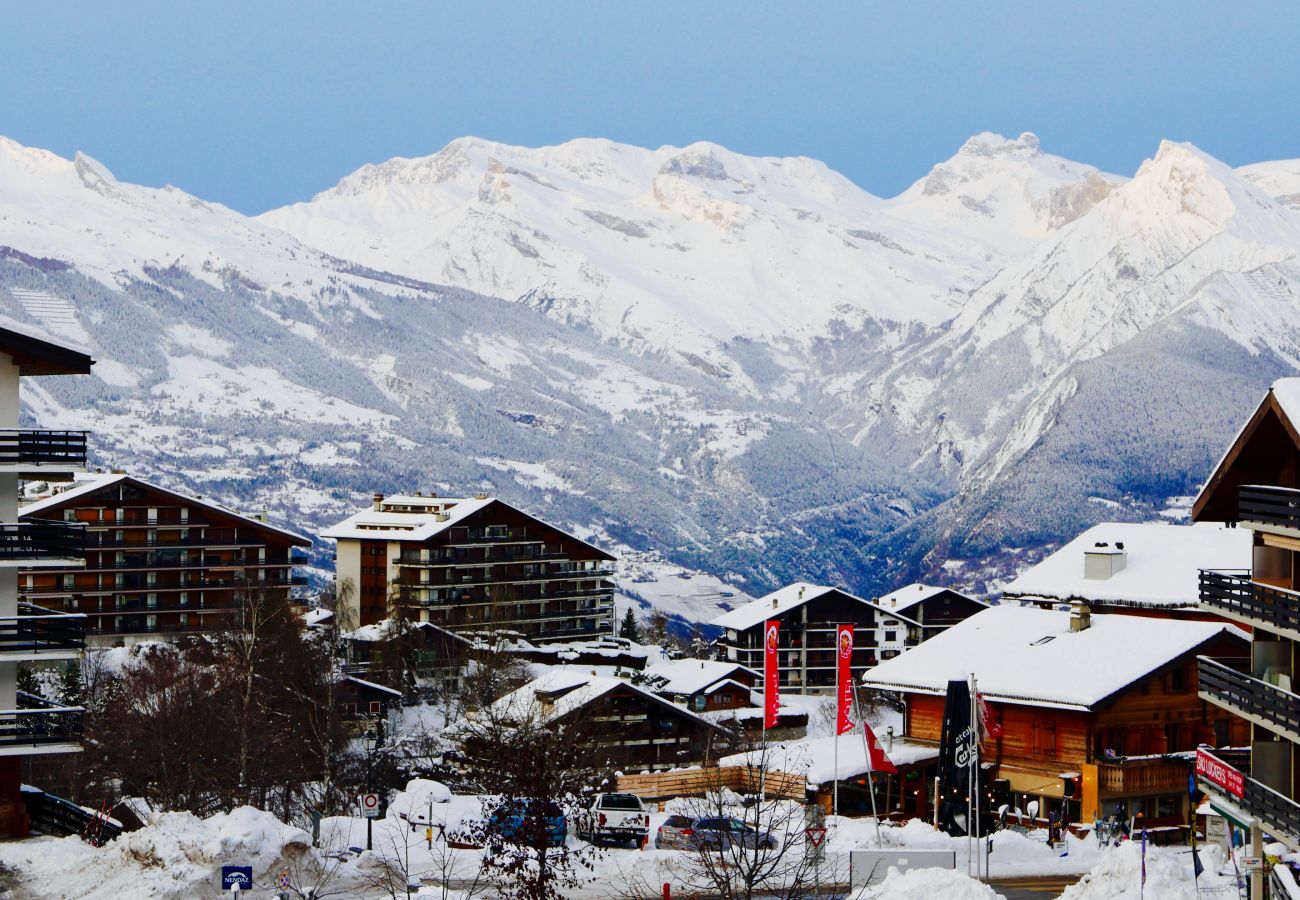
(528,822)
(713,833)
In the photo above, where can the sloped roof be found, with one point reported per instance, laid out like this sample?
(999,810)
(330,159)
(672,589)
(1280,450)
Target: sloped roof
(570,690)
(89,483)
(777,603)
(1162,568)
(691,676)
(37,352)
(906,597)
(1029,656)
(1256,455)
(383,524)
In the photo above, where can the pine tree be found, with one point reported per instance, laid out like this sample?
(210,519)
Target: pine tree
(27,682)
(629,628)
(71,690)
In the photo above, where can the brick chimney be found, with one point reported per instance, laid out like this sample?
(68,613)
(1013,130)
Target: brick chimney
(378,502)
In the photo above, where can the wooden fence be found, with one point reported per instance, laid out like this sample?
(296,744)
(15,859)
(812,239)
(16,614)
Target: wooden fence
(697,782)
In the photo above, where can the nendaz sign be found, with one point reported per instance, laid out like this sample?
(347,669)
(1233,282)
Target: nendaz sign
(1216,771)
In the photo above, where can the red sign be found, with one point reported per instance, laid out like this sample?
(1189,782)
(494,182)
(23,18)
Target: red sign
(1216,771)
(815,834)
(771,682)
(843,659)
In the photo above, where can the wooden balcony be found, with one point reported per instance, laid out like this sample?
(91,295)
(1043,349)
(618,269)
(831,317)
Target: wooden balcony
(1269,505)
(1258,701)
(1232,593)
(42,453)
(1143,775)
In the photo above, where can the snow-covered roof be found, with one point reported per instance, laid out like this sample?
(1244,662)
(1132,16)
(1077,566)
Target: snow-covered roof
(1030,656)
(792,596)
(317,616)
(86,483)
(59,353)
(693,676)
(1287,393)
(372,685)
(560,691)
(412,517)
(907,597)
(1161,569)
(816,756)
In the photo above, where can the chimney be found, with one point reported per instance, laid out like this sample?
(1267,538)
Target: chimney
(1102,561)
(1080,616)
(480,495)
(377,502)
(802,588)
(261,513)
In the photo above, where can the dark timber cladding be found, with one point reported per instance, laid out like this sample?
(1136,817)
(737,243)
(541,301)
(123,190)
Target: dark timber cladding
(155,561)
(473,565)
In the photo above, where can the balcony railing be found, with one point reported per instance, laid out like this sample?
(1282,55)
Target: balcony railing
(1270,505)
(41,540)
(1234,593)
(41,447)
(35,630)
(39,722)
(1275,810)
(1242,694)
(1145,775)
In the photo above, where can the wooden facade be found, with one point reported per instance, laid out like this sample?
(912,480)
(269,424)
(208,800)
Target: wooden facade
(158,563)
(1119,750)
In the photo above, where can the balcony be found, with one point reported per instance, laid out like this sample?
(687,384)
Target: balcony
(1267,505)
(37,633)
(1279,814)
(41,453)
(39,726)
(1258,701)
(40,543)
(1143,775)
(1232,594)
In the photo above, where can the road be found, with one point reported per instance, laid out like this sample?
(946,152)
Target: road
(1032,888)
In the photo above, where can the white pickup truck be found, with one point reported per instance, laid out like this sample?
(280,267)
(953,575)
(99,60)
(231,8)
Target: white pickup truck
(613,818)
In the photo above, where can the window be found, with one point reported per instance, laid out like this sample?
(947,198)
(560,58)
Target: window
(1045,739)
(69,515)
(153,516)
(183,598)
(185,515)
(184,619)
(376,707)
(69,582)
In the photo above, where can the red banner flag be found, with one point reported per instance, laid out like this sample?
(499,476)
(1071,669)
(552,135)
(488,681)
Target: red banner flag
(771,680)
(877,761)
(844,673)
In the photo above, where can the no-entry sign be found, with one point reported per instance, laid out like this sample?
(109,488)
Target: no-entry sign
(370,806)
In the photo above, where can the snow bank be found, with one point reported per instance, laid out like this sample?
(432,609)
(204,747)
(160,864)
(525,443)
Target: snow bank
(1117,875)
(929,884)
(178,855)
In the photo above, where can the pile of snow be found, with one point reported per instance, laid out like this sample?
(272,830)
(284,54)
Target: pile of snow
(178,855)
(1118,874)
(927,884)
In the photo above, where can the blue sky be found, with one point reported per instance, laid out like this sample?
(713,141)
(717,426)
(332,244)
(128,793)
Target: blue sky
(260,104)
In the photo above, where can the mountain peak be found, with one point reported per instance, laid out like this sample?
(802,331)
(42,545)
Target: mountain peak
(989,144)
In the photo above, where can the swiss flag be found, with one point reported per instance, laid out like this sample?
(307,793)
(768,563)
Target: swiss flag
(877,761)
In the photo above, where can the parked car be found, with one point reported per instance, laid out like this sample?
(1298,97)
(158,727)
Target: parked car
(713,833)
(521,821)
(676,833)
(613,818)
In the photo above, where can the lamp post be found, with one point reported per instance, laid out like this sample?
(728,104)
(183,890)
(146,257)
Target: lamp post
(371,740)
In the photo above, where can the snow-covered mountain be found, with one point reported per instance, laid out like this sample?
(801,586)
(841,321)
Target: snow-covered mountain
(747,367)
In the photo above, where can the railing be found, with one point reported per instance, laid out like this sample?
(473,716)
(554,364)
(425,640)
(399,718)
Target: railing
(1141,776)
(39,722)
(53,815)
(1275,810)
(299,580)
(97,540)
(37,629)
(1270,505)
(1243,694)
(38,446)
(1232,591)
(41,540)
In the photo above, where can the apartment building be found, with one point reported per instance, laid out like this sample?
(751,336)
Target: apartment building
(157,563)
(476,564)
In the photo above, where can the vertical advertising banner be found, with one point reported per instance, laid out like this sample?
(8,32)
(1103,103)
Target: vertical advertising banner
(844,678)
(771,681)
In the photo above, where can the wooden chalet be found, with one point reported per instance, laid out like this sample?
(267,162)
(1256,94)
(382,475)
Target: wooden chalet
(474,564)
(922,611)
(1099,714)
(157,562)
(633,728)
(702,685)
(1256,487)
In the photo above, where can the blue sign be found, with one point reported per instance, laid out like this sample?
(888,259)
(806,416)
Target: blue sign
(236,876)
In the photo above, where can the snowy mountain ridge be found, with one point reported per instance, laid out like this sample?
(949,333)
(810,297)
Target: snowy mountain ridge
(747,366)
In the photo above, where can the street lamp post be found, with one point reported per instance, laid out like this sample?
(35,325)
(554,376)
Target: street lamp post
(371,743)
